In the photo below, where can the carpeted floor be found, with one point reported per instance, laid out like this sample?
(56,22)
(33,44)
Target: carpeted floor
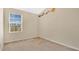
(36,44)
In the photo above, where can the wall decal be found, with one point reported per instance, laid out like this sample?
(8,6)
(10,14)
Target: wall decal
(46,11)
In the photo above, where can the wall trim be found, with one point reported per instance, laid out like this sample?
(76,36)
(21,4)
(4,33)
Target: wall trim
(61,43)
(48,40)
(19,40)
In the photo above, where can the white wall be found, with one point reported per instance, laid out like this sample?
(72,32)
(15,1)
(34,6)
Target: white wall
(29,26)
(36,11)
(1,28)
(62,26)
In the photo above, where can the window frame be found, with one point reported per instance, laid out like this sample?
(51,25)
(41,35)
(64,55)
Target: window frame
(10,22)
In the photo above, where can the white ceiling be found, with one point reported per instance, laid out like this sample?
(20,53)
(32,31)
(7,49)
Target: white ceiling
(32,10)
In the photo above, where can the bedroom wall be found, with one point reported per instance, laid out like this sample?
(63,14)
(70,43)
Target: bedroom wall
(29,26)
(61,26)
(1,28)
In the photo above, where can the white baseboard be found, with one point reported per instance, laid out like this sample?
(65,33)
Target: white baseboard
(19,40)
(61,43)
(53,41)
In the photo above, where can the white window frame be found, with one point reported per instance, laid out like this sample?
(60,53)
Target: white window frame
(21,22)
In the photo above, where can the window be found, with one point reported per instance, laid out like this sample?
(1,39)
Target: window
(15,22)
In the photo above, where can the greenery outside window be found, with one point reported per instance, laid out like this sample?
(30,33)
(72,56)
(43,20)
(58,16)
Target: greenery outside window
(15,22)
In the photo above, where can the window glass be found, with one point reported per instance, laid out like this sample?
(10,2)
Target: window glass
(15,22)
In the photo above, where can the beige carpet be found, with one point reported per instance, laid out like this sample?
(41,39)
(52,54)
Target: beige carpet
(36,44)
